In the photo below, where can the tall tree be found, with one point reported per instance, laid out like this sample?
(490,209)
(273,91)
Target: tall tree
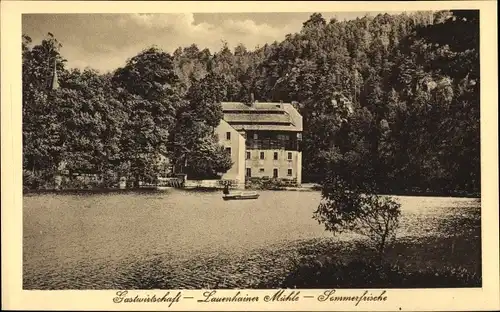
(42,146)
(194,146)
(152,97)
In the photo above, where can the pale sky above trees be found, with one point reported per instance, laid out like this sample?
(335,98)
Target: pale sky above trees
(105,41)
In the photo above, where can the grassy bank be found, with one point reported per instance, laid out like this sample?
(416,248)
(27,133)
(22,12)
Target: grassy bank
(452,259)
(429,263)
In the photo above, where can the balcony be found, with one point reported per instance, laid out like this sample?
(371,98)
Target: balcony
(263,144)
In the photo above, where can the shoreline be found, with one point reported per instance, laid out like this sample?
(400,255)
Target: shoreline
(208,189)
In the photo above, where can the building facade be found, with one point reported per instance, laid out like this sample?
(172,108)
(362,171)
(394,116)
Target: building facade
(264,140)
(234,143)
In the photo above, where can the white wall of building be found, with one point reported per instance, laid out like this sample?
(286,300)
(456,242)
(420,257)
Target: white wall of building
(237,144)
(265,167)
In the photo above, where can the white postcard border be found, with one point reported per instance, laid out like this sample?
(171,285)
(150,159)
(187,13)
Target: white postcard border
(14,297)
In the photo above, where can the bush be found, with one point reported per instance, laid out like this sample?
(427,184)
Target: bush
(30,181)
(36,181)
(74,183)
(345,208)
(110,179)
(329,273)
(265,184)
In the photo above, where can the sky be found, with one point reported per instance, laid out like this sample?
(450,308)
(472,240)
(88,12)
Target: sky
(105,41)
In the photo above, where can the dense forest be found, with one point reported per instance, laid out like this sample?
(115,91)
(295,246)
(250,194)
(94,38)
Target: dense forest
(391,102)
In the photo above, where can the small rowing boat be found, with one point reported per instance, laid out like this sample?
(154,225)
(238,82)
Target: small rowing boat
(241,195)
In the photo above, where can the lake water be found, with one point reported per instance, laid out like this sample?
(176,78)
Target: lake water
(111,240)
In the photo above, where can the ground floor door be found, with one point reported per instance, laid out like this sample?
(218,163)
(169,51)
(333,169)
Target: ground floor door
(275,173)
(249,172)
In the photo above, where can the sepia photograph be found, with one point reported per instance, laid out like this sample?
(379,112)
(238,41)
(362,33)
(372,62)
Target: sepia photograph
(287,151)
(256,150)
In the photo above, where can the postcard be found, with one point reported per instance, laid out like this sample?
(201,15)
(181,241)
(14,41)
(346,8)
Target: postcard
(320,156)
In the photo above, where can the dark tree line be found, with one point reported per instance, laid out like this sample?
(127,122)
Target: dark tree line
(121,124)
(391,101)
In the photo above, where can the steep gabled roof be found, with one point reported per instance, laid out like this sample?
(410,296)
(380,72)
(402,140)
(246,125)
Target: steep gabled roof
(270,116)
(282,118)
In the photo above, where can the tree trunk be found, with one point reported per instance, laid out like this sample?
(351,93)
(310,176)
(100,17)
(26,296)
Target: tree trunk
(381,249)
(136,181)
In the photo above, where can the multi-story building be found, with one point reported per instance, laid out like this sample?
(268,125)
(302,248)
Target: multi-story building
(263,139)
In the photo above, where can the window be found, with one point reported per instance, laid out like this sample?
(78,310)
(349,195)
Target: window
(289,172)
(261,155)
(275,173)
(261,170)
(228,135)
(228,150)
(248,155)
(255,136)
(275,156)
(249,172)
(289,155)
